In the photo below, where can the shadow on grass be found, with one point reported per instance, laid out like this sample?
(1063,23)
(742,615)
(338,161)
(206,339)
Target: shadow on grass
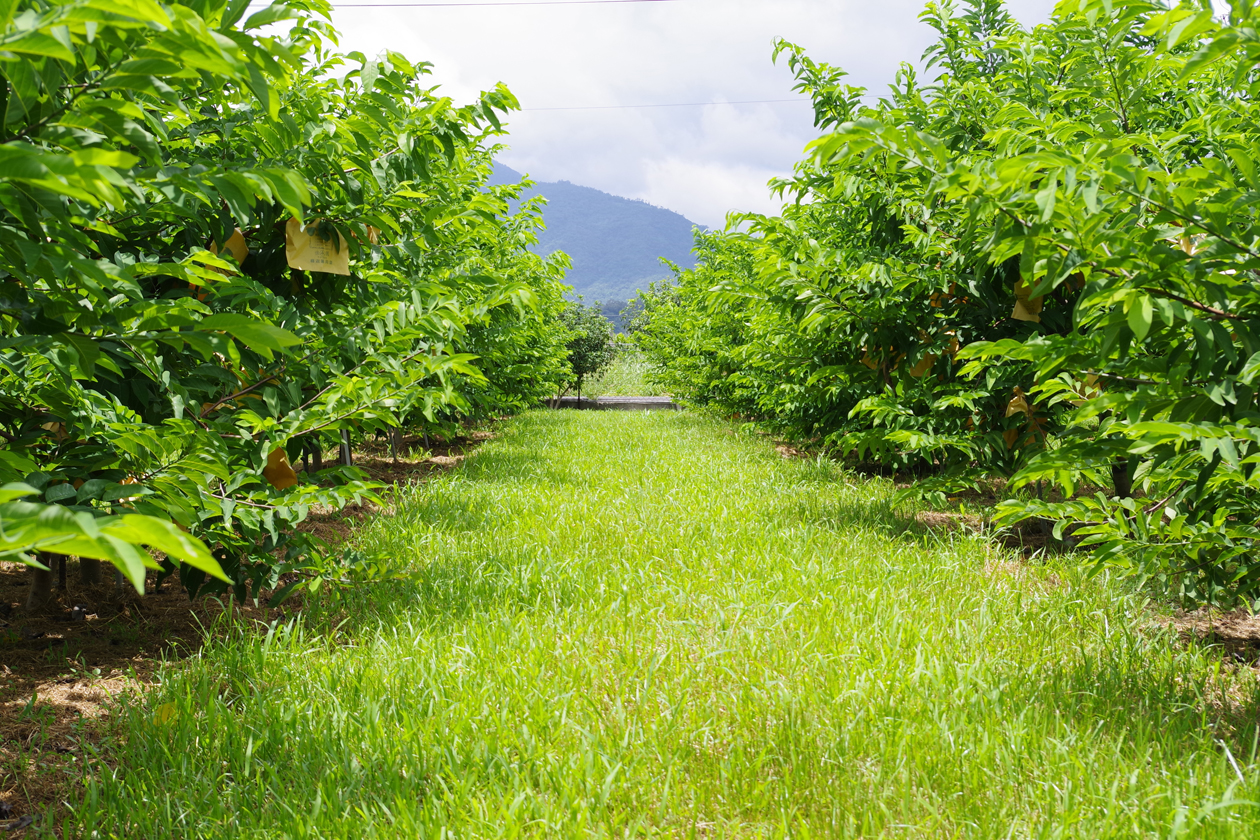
(447,568)
(453,590)
(1152,693)
(882,513)
(1152,686)
(514,463)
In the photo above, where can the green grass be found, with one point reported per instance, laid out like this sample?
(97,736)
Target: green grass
(643,624)
(627,376)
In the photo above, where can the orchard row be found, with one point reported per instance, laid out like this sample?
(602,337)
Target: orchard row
(224,247)
(1039,270)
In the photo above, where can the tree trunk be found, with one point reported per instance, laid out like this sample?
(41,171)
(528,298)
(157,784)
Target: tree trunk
(41,584)
(89,571)
(395,442)
(312,458)
(347,457)
(62,562)
(1121,478)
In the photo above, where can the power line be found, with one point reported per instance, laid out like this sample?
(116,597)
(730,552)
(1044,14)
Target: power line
(668,105)
(564,3)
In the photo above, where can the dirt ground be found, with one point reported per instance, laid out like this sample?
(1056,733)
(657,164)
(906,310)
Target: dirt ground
(64,668)
(1236,632)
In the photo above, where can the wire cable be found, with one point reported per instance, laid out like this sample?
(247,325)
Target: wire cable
(564,3)
(667,105)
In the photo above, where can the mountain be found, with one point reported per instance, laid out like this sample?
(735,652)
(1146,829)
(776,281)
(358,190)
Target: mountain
(615,243)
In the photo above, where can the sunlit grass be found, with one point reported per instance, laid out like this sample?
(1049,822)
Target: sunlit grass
(641,624)
(627,376)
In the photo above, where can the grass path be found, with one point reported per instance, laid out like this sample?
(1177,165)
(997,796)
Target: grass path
(633,625)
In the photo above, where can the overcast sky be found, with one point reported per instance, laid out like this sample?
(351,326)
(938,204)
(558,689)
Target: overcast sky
(698,161)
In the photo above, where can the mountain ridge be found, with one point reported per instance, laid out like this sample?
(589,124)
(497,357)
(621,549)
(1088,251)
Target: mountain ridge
(615,242)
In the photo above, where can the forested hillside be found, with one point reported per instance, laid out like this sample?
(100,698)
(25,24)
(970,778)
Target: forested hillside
(616,243)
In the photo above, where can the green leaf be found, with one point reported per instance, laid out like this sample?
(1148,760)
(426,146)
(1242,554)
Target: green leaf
(7,7)
(1250,370)
(1141,314)
(145,11)
(290,190)
(36,44)
(261,87)
(282,594)
(92,489)
(167,538)
(87,351)
(60,492)
(233,12)
(274,13)
(16,490)
(104,157)
(371,72)
(257,335)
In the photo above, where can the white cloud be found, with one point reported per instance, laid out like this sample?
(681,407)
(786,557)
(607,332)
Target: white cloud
(699,161)
(694,188)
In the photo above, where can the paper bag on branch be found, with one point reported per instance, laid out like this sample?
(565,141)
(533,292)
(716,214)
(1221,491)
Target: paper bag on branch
(236,246)
(305,250)
(1027,308)
(279,472)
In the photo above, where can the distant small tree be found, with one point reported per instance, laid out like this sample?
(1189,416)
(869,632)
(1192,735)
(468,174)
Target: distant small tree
(591,347)
(632,313)
(611,310)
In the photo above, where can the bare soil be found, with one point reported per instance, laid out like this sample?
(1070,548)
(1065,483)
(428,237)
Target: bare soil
(64,668)
(1235,632)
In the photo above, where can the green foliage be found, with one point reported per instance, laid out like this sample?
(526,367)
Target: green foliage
(629,374)
(590,344)
(150,372)
(1042,265)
